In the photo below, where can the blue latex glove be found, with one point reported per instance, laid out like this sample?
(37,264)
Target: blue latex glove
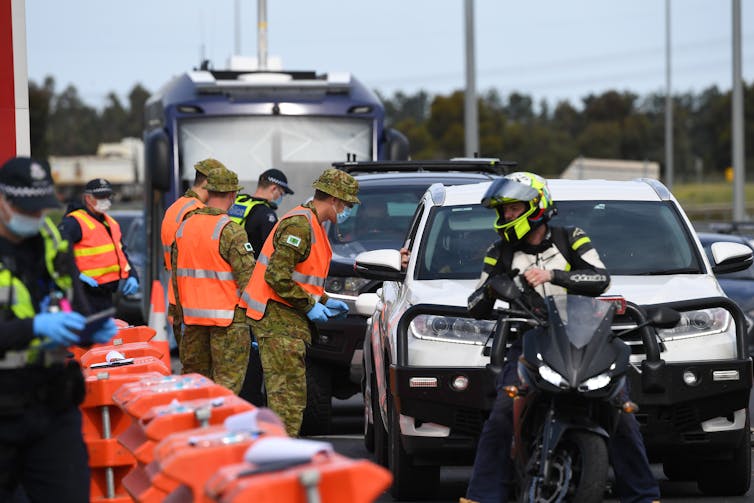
(106,332)
(319,312)
(338,306)
(130,286)
(88,280)
(59,327)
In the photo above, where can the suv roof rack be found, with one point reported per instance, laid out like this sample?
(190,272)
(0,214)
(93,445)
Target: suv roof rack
(465,164)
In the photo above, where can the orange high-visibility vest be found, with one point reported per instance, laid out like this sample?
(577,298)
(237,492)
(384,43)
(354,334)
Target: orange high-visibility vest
(99,254)
(309,274)
(207,290)
(173,217)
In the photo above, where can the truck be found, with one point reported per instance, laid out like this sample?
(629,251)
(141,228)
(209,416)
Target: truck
(251,120)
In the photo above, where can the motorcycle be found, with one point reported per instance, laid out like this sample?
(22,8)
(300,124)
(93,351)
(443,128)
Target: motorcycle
(572,375)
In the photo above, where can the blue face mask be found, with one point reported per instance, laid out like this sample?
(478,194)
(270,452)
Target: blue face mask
(343,215)
(278,201)
(24,226)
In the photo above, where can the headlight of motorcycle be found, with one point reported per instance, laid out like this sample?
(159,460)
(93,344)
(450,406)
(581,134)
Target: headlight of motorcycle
(345,285)
(698,323)
(451,329)
(552,377)
(596,382)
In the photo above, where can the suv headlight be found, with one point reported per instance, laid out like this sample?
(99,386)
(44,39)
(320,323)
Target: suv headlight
(345,285)
(698,323)
(451,329)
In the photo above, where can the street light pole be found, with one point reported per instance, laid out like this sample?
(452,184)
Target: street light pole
(668,104)
(471,121)
(739,169)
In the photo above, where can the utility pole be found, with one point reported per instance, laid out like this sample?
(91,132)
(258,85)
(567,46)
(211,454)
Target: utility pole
(668,104)
(262,34)
(739,169)
(237,29)
(470,116)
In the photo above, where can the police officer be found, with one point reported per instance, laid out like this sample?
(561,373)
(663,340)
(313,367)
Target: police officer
(257,213)
(98,246)
(193,199)
(551,260)
(286,292)
(42,451)
(212,261)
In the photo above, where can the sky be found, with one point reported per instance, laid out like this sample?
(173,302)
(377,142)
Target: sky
(549,49)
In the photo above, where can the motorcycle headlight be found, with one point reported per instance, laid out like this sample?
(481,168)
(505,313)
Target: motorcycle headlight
(596,382)
(345,285)
(553,377)
(451,329)
(698,323)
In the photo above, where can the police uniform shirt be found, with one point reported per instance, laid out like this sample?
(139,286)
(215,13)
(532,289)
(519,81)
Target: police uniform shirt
(26,260)
(259,224)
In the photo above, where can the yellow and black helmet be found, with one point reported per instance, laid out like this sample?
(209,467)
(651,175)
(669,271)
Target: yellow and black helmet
(522,187)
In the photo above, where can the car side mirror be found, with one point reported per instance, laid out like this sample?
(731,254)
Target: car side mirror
(380,265)
(157,157)
(730,257)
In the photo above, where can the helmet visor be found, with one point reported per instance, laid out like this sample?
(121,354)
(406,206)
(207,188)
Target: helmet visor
(504,190)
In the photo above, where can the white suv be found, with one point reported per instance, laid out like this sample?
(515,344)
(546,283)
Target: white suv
(427,390)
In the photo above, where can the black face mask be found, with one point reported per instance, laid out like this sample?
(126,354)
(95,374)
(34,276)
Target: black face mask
(525,247)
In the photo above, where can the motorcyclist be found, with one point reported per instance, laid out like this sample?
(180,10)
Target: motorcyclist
(551,260)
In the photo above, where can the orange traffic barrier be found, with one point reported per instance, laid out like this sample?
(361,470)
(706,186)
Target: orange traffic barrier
(322,476)
(128,335)
(158,317)
(98,355)
(102,421)
(188,459)
(136,399)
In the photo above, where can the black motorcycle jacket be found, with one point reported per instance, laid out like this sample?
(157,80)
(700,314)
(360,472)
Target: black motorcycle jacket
(566,251)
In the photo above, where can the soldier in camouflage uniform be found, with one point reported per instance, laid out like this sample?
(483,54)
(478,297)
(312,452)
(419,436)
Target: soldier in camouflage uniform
(286,292)
(211,253)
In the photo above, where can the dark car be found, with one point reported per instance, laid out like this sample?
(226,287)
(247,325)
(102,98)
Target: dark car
(131,308)
(389,192)
(739,286)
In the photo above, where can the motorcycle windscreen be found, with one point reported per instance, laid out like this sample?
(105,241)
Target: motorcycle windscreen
(578,344)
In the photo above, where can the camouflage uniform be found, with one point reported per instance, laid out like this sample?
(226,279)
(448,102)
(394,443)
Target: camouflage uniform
(284,332)
(220,353)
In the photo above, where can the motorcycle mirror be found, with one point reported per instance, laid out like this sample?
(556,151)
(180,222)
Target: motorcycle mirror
(663,317)
(504,288)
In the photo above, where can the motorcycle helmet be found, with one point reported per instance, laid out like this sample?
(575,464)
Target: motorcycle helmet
(522,187)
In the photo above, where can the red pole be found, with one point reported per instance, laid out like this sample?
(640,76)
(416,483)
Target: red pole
(14,98)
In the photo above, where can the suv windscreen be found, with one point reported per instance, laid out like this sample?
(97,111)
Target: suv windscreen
(380,221)
(631,237)
(634,237)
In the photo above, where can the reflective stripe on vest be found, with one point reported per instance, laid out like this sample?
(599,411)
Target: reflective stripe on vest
(310,274)
(241,208)
(54,244)
(99,254)
(172,219)
(207,291)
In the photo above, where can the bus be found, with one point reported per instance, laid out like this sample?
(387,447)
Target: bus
(297,121)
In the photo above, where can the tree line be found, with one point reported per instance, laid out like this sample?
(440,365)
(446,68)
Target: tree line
(541,138)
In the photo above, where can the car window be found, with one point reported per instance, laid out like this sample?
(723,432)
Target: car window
(454,244)
(634,237)
(380,221)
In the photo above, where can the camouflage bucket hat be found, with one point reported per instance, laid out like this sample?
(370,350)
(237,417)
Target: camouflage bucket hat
(207,165)
(222,180)
(338,184)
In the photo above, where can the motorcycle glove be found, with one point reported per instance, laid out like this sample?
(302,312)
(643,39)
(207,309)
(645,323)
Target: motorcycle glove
(88,280)
(319,312)
(130,286)
(59,327)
